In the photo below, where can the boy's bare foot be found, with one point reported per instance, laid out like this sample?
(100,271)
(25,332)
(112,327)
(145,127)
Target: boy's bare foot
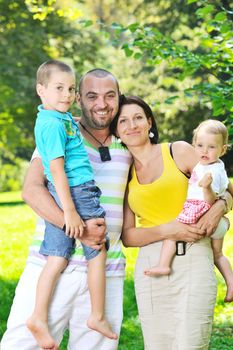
(41,333)
(158,271)
(102,326)
(229,295)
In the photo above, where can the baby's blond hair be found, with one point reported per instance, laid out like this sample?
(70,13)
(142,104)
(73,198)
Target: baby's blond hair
(213,127)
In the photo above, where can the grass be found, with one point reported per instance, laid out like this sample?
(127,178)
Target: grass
(17,227)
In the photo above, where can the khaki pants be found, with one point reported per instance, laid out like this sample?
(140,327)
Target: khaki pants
(176,311)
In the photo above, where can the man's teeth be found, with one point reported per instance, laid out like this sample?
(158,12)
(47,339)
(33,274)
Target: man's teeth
(101,113)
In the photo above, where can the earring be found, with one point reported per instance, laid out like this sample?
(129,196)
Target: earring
(151,134)
(118,140)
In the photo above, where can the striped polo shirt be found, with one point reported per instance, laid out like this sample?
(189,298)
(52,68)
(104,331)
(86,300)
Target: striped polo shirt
(111,177)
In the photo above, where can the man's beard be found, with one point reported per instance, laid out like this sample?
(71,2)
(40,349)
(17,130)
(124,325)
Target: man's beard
(92,122)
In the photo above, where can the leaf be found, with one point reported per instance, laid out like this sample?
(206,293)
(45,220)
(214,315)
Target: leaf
(137,55)
(128,51)
(133,27)
(220,16)
(202,12)
(88,23)
(170,100)
(116,26)
(225,28)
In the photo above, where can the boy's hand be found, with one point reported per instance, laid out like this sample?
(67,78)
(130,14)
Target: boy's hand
(74,224)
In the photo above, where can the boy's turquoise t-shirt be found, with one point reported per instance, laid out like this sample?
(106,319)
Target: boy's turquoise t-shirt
(57,135)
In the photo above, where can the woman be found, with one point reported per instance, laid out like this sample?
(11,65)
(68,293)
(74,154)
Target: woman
(175,311)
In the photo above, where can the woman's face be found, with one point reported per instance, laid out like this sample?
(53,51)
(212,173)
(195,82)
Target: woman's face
(133,126)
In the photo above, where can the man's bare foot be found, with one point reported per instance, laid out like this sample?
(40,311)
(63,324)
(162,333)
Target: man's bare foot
(102,326)
(158,271)
(229,295)
(41,333)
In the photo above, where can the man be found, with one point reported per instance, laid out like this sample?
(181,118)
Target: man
(98,98)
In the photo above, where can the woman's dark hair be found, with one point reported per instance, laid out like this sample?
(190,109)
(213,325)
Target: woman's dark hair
(135,100)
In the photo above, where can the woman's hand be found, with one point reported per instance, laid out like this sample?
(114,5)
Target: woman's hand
(176,231)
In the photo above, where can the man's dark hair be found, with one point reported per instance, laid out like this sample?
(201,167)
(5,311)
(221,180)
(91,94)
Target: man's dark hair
(98,73)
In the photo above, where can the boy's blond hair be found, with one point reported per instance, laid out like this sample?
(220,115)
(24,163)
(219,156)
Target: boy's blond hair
(213,127)
(47,68)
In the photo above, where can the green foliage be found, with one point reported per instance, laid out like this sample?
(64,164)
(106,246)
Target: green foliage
(176,55)
(11,175)
(210,58)
(32,32)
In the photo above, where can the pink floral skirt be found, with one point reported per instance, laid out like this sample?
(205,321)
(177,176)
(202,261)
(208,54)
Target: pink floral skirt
(193,209)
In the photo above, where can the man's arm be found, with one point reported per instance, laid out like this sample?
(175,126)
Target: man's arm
(36,195)
(73,221)
(210,220)
(230,189)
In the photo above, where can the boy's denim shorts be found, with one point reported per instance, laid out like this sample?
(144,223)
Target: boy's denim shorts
(86,200)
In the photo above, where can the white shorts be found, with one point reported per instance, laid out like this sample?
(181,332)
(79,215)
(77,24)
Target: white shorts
(69,309)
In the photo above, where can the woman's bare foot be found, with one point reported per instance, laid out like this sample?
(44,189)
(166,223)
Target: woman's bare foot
(158,271)
(41,333)
(229,295)
(102,326)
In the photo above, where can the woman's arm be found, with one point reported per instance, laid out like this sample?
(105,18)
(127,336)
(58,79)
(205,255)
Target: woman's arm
(138,237)
(36,195)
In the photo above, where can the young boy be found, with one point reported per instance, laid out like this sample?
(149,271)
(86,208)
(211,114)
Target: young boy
(207,183)
(70,181)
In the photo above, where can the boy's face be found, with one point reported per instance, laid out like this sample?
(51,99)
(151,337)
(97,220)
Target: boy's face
(209,147)
(59,93)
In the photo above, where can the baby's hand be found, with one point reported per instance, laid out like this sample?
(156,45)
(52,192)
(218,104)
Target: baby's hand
(74,224)
(206,181)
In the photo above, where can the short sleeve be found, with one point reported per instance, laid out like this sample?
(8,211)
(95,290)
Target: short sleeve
(35,154)
(221,181)
(51,139)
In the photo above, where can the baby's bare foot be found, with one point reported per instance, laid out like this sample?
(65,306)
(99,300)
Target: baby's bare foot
(158,271)
(229,295)
(41,333)
(101,326)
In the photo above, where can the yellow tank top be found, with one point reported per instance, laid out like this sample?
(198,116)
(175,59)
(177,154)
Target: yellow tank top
(162,200)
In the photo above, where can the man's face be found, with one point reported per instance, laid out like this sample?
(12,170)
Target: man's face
(98,99)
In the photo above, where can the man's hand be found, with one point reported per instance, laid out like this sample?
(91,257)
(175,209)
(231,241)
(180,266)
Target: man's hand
(209,221)
(94,233)
(177,231)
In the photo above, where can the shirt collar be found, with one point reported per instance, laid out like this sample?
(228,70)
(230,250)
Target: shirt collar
(47,113)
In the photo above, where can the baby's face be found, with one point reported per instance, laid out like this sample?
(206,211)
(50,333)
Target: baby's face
(209,147)
(59,93)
